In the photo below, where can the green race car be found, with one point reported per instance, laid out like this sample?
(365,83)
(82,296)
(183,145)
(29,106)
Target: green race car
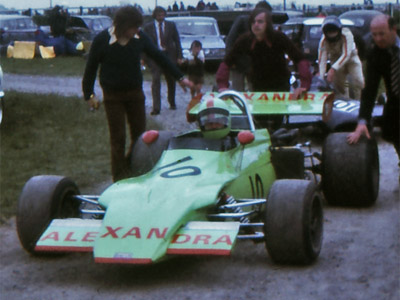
(200,192)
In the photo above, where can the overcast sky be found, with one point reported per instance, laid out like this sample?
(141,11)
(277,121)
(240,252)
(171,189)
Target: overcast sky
(24,4)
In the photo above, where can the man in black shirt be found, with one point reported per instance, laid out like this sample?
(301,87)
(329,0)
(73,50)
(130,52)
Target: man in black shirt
(241,68)
(117,51)
(382,62)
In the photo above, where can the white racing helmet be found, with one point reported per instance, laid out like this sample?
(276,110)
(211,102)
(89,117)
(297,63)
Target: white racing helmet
(214,119)
(332,28)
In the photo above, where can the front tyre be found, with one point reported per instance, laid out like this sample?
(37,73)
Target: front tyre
(293,222)
(43,199)
(145,156)
(350,173)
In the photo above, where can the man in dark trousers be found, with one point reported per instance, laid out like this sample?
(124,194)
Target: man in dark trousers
(117,52)
(382,62)
(165,35)
(240,70)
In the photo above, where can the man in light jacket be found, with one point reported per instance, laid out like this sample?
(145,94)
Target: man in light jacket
(337,44)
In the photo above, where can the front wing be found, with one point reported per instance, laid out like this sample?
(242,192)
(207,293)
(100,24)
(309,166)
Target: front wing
(80,235)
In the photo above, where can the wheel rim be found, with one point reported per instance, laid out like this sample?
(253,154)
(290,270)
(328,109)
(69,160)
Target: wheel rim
(69,207)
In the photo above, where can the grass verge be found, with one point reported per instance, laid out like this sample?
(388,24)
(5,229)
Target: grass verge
(70,66)
(50,134)
(59,66)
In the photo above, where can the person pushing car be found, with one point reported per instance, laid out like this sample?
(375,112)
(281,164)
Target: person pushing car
(383,62)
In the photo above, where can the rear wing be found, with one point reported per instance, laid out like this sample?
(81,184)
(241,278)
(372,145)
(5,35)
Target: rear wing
(277,103)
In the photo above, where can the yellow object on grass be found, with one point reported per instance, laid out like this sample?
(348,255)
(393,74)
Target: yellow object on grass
(24,50)
(47,52)
(10,51)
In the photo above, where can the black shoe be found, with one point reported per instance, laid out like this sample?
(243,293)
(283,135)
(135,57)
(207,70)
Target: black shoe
(172,107)
(155,112)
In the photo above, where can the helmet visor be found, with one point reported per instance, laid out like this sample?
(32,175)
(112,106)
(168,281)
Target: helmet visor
(213,119)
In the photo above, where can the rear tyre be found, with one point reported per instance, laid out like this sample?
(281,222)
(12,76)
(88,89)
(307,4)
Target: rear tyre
(145,156)
(350,173)
(43,199)
(293,222)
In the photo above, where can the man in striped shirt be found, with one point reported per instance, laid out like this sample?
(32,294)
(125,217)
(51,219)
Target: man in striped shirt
(383,62)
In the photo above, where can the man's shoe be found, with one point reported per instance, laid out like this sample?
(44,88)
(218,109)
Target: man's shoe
(173,107)
(155,112)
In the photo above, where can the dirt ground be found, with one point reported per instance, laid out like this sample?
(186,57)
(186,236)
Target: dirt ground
(360,259)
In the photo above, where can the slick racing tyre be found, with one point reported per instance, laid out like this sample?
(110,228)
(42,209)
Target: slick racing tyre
(293,222)
(43,199)
(145,156)
(350,173)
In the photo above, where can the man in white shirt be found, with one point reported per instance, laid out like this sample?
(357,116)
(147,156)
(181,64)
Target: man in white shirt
(165,35)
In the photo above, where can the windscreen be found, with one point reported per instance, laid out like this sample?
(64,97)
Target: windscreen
(196,28)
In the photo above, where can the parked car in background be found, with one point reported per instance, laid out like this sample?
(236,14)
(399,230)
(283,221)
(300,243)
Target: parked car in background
(78,29)
(362,21)
(81,28)
(361,18)
(16,28)
(203,29)
(307,32)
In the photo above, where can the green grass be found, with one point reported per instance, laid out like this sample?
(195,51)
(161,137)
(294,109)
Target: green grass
(49,134)
(59,66)
(68,66)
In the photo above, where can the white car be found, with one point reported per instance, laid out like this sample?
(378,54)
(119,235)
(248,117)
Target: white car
(203,29)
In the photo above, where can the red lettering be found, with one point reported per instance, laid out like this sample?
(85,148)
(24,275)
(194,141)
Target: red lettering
(156,231)
(202,237)
(308,96)
(134,231)
(279,97)
(51,236)
(224,239)
(112,232)
(324,96)
(89,236)
(186,238)
(263,96)
(248,96)
(68,237)
(292,97)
